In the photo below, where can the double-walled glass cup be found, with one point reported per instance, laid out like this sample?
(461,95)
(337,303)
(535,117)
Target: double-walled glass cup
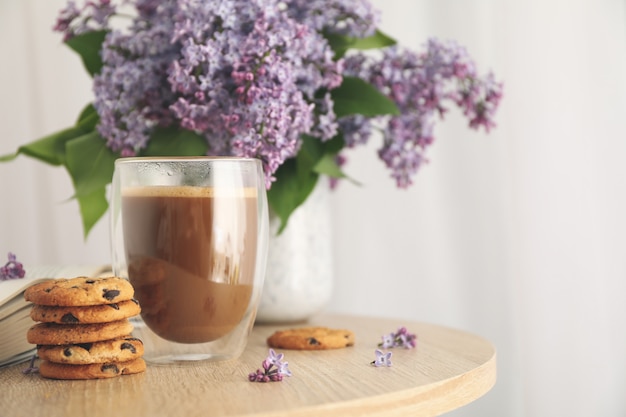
(190,233)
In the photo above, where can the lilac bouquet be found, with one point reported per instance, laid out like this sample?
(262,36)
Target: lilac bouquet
(294,83)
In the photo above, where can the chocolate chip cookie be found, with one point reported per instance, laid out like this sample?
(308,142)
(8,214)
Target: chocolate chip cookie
(116,350)
(80,291)
(311,338)
(66,334)
(102,313)
(91,371)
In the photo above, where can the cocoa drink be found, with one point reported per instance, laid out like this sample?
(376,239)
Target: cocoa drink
(191,254)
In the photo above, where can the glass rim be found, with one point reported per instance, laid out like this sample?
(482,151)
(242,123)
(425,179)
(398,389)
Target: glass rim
(198,158)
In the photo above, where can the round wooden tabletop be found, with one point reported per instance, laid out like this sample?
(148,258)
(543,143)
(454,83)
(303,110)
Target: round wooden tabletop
(448,369)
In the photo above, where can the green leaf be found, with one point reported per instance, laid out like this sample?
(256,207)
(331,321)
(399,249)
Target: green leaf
(341,44)
(377,40)
(356,96)
(297,177)
(327,166)
(334,145)
(8,157)
(311,151)
(338,43)
(319,157)
(175,142)
(295,180)
(92,207)
(88,46)
(289,190)
(73,147)
(88,118)
(90,163)
(51,148)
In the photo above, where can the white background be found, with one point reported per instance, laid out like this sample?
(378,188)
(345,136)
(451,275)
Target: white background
(519,235)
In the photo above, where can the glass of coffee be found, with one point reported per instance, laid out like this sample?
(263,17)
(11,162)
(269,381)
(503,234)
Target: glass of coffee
(190,233)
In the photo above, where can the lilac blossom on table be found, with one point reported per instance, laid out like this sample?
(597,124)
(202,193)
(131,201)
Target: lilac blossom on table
(274,369)
(12,269)
(382,358)
(400,338)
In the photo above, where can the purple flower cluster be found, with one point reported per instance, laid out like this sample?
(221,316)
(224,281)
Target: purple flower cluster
(247,78)
(420,85)
(241,73)
(132,95)
(253,76)
(12,269)
(92,16)
(355,18)
(274,369)
(400,338)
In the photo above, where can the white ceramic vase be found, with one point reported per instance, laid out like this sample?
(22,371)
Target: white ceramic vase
(299,277)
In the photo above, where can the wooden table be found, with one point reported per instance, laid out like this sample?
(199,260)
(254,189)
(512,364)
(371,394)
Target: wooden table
(449,368)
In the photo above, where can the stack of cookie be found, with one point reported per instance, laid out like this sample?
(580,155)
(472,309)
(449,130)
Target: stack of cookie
(84,331)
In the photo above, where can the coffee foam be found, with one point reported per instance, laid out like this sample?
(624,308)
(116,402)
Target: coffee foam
(185,191)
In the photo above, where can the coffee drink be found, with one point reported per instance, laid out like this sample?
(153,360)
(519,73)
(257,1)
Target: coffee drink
(191,255)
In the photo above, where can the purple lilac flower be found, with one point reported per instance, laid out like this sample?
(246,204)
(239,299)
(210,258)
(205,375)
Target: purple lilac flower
(253,76)
(399,338)
(12,269)
(92,16)
(382,358)
(356,18)
(325,125)
(420,85)
(242,73)
(258,77)
(388,341)
(132,95)
(274,369)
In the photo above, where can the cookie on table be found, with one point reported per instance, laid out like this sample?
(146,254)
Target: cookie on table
(92,371)
(116,350)
(311,338)
(102,313)
(67,334)
(80,291)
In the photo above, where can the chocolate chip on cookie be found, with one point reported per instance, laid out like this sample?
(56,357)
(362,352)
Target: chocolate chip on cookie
(311,338)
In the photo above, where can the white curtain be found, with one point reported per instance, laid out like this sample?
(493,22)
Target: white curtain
(518,235)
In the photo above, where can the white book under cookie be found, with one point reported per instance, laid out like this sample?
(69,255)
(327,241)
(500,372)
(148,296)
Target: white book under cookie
(15,311)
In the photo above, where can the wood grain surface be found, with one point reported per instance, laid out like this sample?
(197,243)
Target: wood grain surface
(449,368)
